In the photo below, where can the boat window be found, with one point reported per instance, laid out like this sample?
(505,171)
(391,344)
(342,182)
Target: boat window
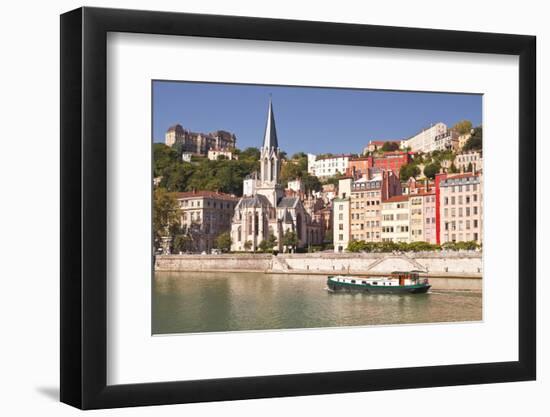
(374,283)
(363,282)
(353,281)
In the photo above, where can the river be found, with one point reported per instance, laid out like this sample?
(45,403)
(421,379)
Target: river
(191,302)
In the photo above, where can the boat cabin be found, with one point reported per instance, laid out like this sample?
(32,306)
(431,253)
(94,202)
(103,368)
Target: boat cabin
(395,279)
(406,277)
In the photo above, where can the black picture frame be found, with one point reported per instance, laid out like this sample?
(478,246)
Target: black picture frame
(84,207)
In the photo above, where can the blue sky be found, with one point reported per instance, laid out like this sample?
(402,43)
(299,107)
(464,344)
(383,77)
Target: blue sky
(314,120)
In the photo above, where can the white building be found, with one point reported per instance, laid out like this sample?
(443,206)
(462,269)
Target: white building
(213,154)
(297,185)
(464,159)
(425,141)
(327,166)
(341,216)
(186,156)
(395,219)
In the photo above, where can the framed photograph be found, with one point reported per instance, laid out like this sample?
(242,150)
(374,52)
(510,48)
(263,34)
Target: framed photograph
(257,208)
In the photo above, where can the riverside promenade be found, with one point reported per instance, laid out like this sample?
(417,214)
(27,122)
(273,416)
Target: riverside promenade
(447,270)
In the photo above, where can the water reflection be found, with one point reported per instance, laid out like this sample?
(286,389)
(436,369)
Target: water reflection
(206,302)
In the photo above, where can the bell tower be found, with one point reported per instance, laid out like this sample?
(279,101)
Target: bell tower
(270,161)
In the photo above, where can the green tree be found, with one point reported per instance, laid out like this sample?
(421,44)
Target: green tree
(290,239)
(223,241)
(250,153)
(163,156)
(311,183)
(181,242)
(475,143)
(408,171)
(390,146)
(165,213)
(268,244)
(453,169)
(462,127)
(431,169)
(247,245)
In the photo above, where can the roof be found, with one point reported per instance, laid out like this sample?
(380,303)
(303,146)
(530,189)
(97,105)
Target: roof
(288,202)
(270,136)
(207,194)
(257,200)
(377,142)
(459,176)
(334,157)
(175,127)
(396,198)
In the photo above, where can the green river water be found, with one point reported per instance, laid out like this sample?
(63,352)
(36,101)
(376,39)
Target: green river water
(185,302)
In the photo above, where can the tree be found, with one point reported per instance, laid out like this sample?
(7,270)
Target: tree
(247,245)
(250,153)
(223,242)
(181,243)
(463,127)
(165,213)
(408,171)
(267,245)
(163,156)
(431,169)
(475,143)
(290,239)
(311,183)
(390,146)
(453,169)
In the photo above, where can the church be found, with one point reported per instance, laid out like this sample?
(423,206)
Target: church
(265,209)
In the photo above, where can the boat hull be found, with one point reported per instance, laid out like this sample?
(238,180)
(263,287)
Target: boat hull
(375,289)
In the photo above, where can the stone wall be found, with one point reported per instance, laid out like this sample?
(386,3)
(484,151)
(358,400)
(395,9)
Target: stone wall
(432,263)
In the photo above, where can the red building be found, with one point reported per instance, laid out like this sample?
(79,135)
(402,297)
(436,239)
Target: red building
(390,161)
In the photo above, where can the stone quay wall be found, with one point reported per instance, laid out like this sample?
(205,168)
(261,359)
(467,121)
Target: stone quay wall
(446,269)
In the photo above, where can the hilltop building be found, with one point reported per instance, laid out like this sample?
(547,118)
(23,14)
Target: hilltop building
(327,166)
(199,143)
(434,138)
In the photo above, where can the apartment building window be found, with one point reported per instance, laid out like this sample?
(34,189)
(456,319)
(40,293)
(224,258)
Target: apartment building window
(467,211)
(475,198)
(467,224)
(340,226)
(467,199)
(475,224)
(475,236)
(460,212)
(459,199)
(475,210)
(453,200)
(341,216)
(340,237)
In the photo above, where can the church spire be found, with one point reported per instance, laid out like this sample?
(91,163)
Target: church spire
(270,137)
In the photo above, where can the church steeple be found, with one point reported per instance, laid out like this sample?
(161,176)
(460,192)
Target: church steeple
(270,136)
(270,161)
